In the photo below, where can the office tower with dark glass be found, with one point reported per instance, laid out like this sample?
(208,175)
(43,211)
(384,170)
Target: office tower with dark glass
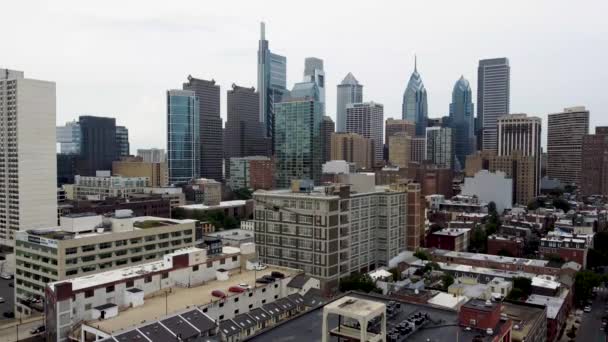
(327,129)
(414,106)
(210,131)
(122,139)
(272,82)
(243,134)
(349,92)
(183,140)
(367,119)
(298,140)
(493,97)
(462,122)
(565,143)
(439,147)
(313,72)
(98,147)
(28,170)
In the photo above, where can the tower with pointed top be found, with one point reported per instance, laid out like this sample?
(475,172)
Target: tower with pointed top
(415,107)
(349,92)
(462,122)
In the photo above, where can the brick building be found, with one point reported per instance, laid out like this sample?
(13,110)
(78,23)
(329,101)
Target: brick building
(512,245)
(485,316)
(569,249)
(453,239)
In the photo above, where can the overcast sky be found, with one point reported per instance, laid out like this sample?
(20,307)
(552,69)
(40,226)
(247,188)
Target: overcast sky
(117,58)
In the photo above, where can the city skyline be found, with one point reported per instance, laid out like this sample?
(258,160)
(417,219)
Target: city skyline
(539,85)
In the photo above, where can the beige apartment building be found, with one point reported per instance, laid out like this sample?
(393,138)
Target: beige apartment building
(353,148)
(400,149)
(87,244)
(136,167)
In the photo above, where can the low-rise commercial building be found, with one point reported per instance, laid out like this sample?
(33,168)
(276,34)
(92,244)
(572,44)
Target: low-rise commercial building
(103,185)
(558,309)
(505,245)
(568,249)
(529,321)
(86,244)
(251,172)
(239,209)
(156,173)
(233,237)
(144,205)
(205,191)
(453,239)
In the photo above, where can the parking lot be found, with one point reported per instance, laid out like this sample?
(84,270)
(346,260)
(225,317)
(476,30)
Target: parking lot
(8,294)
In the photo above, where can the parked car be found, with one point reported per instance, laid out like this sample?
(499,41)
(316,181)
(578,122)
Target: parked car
(2,300)
(218,293)
(245,286)
(6,276)
(37,330)
(236,289)
(587,308)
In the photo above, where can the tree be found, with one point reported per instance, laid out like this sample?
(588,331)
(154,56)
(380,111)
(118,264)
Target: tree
(230,222)
(562,204)
(584,282)
(554,258)
(479,240)
(446,281)
(435,227)
(535,204)
(491,207)
(522,283)
(396,274)
(243,193)
(430,266)
(515,294)
(358,282)
(422,255)
(504,252)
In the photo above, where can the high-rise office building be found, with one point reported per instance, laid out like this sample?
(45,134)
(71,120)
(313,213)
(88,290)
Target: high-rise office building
(353,148)
(462,122)
(518,132)
(349,92)
(414,106)
(243,134)
(594,172)
(272,82)
(28,163)
(493,96)
(298,140)
(68,137)
(366,119)
(440,147)
(152,155)
(210,130)
(418,149)
(313,72)
(565,133)
(183,141)
(394,126)
(328,127)
(400,149)
(122,140)
(98,147)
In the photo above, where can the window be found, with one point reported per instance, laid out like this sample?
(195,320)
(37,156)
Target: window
(263,301)
(276,296)
(264,290)
(105,245)
(88,306)
(205,310)
(194,268)
(221,317)
(222,261)
(250,306)
(71,272)
(236,299)
(147,279)
(276,285)
(221,305)
(130,283)
(89,293)
(110,289)
(165,275)
(236,312)
(209,264)
(72,250)
(234,258)
(88,248)
(250,294)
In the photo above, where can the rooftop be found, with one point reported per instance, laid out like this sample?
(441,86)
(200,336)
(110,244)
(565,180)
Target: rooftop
(223,204)
(179,299)
(233,234)
(523,316)
(452,231)
(489,257)
(553,304)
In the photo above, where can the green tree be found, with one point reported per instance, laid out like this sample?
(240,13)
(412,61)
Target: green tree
(554,258)
(243,193)
(446,281)
(562,204)
(522,283)
(584,282)
(422,255)
(479,240)
(396,274)
(358,282)
(515,294)
(430,266)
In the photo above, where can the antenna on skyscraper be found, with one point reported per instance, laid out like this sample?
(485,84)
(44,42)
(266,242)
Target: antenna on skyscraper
(415,63)
(262,31)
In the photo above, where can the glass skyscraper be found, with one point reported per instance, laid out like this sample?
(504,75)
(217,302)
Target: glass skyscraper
(349,92)
(415,107)
(183,137)
(462,122)
(298,140)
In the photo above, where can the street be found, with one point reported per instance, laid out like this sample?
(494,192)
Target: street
(590,329)
(10,334)
(8,294)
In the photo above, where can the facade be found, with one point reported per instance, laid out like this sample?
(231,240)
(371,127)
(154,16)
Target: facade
(205,191)
(415,217)
(440,147)
(28,169)
(505,245)
(569,249)
(298,141)
(418,149)
(594,174)
(493,98)
(152,155)
(140,205)
(353,148)
(79,248)
(313,72)
(183,138)
(136,167)
(518,132)
(400,149)
(328,127)
(210,127)
(565,133)
(462,122)
(330,232)
(244,134)
(521,169)
(452,239)
(122,141)
(272,83)
(98,145)
(103,186)
(366,120)
(251,172)
(394,126)
(349,92)
(415,108)
(490,187)
(68,137)
(530,319)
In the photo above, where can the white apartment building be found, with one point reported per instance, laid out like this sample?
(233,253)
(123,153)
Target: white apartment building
(103,186)
(28,166)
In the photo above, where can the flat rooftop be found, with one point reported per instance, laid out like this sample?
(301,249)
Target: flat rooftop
(180,299)
(223,204)
(452,231)
(318,192)
(494,258)
(477,270)
(233,234)
(553,304)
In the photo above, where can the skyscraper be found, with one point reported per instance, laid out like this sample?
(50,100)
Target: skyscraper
(28,193)
(327,129)
(211,145)
(518,132)
(122,140)
(313,72)
(349,91)
(298,140)
(493,91)
(400,149)
(366,119)
(392,127)
(439,147)
(353,148)
(183,140)
(565,142)
(594,173)
(272,82)
(244,134)
(68,137)
(98,147)
(415,107)
(462,122)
